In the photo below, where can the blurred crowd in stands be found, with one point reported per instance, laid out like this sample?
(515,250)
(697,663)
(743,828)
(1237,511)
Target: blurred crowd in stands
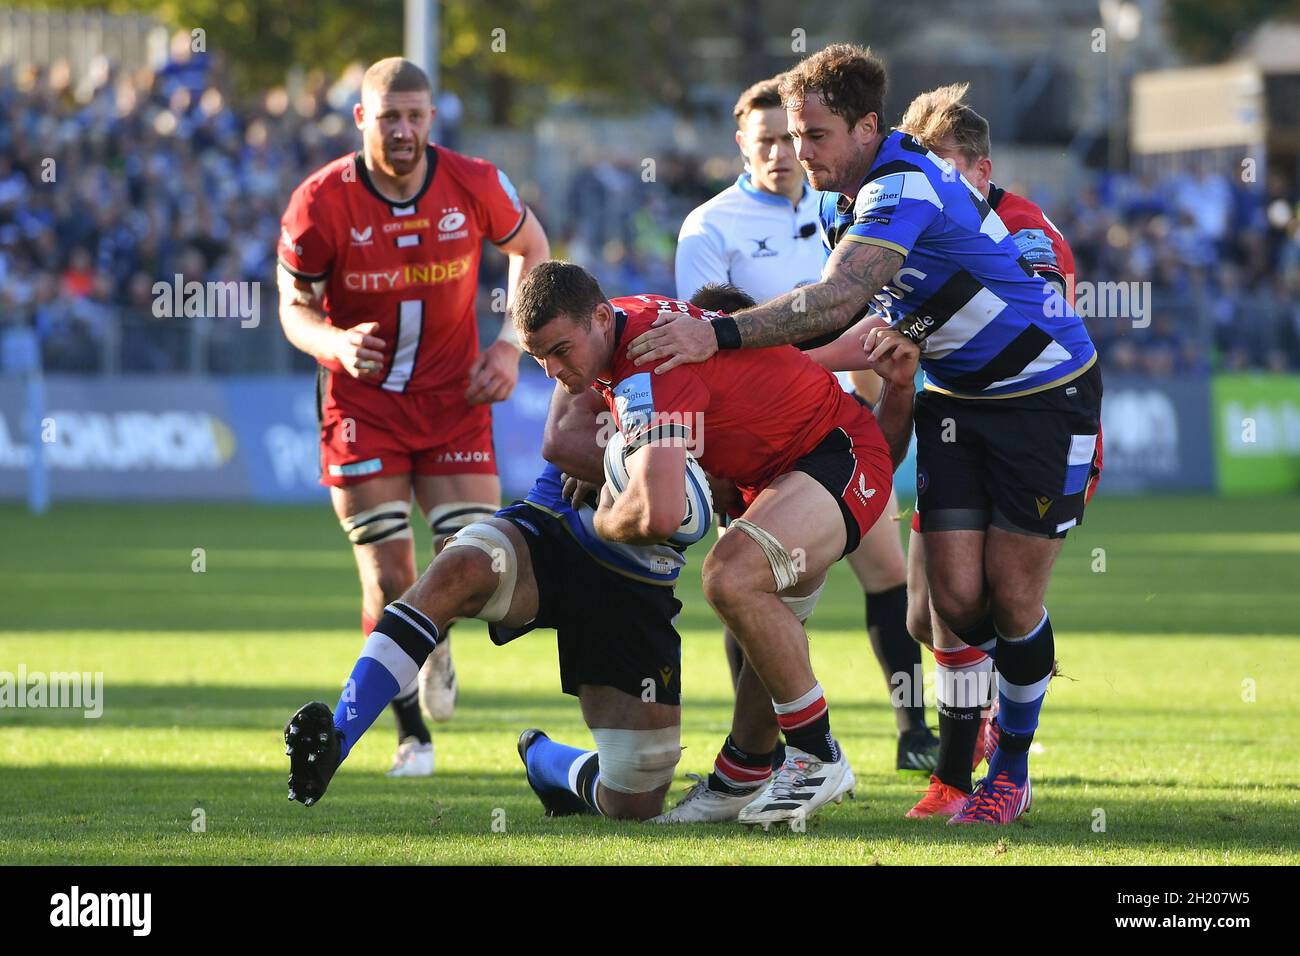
(120,180)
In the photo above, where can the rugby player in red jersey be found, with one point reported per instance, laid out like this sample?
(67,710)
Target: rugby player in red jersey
(944,123)
(379,254)
(1007,421)
(812,467)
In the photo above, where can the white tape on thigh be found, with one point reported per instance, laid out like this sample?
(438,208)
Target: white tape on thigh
(389,521)
(637,761)
(783,569)
(451,517)
(493,542)
(803,605)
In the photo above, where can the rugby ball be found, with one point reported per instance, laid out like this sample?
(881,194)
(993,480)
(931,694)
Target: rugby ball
(699,502)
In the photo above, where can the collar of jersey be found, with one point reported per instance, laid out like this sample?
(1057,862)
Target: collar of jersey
(746,185)
(431,167)
(620,323)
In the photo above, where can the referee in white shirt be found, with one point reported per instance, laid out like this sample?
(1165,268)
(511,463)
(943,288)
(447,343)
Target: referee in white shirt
(761,234)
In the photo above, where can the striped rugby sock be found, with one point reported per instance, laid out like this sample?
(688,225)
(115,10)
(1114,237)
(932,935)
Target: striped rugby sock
(806,723)
(963,679)
(1024,670)
(561,767)
(390,660)
(737,771)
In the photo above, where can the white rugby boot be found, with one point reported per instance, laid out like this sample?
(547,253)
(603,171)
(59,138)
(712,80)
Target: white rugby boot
(438,687)
(799,789)
(413,759)
(704,805)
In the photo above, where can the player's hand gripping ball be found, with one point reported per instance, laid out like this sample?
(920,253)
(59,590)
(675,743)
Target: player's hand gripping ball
(699,503)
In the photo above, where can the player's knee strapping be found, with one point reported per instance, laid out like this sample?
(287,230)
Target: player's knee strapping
(803,605)
(449,518)
(783,567)
(390,521)
(493,542)
(637,761)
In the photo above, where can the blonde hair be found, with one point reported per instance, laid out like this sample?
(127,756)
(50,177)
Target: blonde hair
(940,117)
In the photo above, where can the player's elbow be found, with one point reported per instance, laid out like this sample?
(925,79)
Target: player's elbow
(660,524)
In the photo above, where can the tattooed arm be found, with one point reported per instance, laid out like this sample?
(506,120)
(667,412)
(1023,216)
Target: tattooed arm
(855,272)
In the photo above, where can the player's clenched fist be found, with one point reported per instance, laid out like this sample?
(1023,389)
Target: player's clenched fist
(493,375)
(360,351)
(891,355)
(683,342)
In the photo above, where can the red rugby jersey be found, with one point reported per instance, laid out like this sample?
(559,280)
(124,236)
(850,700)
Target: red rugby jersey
(1037,237)
(411,266)
(752,412)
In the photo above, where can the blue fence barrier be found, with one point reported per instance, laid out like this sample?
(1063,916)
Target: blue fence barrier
(255,439)
(242,439)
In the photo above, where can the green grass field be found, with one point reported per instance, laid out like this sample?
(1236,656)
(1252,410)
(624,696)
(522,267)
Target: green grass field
(1178,722)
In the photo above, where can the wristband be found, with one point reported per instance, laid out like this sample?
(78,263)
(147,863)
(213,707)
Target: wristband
(726,332)
(508,333)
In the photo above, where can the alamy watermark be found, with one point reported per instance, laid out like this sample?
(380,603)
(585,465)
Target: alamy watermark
(921,688)
(215,300)
(129,910)
(57,690)
(1101,300)
(665,429)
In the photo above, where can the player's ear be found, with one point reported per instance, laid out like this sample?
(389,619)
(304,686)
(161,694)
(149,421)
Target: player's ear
(740,142)
(985,166)
(870,125)
(358,115)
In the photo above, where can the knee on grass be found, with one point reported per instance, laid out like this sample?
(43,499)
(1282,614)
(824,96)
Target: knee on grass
(636,770)
(632,806)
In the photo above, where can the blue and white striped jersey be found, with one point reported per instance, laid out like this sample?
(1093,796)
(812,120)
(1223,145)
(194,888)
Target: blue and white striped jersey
(988,326)
(652,563)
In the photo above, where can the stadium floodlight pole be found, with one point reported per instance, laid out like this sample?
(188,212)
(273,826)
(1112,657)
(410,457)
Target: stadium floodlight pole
(421,42)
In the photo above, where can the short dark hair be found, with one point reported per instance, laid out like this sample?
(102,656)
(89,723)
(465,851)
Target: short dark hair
(722,297)
(850,80)
(552,289)
(763,95)
(395,75)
